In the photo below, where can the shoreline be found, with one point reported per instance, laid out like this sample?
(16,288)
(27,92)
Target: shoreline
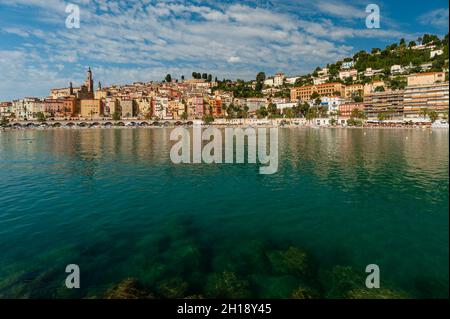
(222,126)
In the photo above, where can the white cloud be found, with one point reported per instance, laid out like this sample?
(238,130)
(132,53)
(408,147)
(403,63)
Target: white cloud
(149,39)
(16,31)
(437,18)
(233,59)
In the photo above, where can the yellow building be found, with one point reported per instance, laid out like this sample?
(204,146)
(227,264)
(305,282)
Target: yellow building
(426,78)
(304,93)
(177,108)
(370,87)
(90,109)
(354,89)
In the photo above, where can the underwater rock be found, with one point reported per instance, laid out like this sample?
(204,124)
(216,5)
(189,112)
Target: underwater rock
(128,289)
(227,285)
(174,288)
(182,257)
(274,287)
(338,281)
(293,262)
(304,293)
(382,293)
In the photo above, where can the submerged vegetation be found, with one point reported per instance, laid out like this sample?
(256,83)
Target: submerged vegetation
(186,270)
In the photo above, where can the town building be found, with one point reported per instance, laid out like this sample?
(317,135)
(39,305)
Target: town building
(127,108)
(347,65)
(353,90)
(426,91)
(426,78)
(6,109)
(278,80)
(28,108)
(144,107)
(373,86)
(345,74)
(332,103)
(90,109)
(397,69)
(346,109)
(303,93)
(255,104)
(387,103)
(60,108)
(435,53)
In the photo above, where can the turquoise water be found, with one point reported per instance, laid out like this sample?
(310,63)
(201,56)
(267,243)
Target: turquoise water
(111,201)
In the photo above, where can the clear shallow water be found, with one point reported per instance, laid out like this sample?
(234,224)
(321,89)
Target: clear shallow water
(113,203)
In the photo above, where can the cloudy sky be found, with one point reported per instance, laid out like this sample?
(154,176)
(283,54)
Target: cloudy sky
(142,40)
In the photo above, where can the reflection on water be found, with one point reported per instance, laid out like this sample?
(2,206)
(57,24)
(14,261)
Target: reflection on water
(111,201)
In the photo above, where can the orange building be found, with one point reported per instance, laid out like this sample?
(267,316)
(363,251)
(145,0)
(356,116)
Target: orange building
(216,107)
(345,110)
(60,108)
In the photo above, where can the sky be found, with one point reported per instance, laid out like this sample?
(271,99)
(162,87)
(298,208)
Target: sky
(143,40)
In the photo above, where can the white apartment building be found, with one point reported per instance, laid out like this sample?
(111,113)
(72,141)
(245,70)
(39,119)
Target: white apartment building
(397,69)
(269,82)
(332,102)
(161,105)
(435,53)
(347,65)
(344,74)
(27,108)
(292,80)
(278,80)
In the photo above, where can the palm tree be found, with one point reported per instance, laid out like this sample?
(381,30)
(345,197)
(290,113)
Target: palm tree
(424,112)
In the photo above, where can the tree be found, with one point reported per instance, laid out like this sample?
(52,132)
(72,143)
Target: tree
(261,77)
(40,116)
(184,116)
(358,99)
(289,113)
(412,44)
(168,78)
(423,112)
(209,78)
(311,114)
(262,112)
(381,117)
(208,119)
(272,110)
(4,121)
(116,116)
(315,95)
(358,114)
(182,78)
(379,89)
(433,116)
(204,76)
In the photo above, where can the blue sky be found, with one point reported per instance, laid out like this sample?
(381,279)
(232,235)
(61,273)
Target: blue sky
(142,40)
